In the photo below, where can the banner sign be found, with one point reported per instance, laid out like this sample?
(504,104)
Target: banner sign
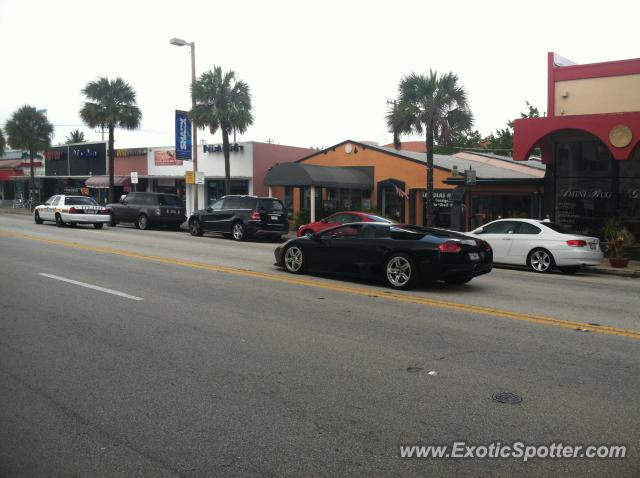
(183,135)
(166,158)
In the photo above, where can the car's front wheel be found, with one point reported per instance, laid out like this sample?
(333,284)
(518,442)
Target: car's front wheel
(112,220)
(238,231)
(195,228)
(400,271)
(540,260)
(294,259)
(36,217)
(98,225)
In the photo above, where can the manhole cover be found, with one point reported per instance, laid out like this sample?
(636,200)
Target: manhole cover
(507,397)
(414,369)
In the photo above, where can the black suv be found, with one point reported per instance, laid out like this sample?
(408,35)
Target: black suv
(148,209)
(241,216)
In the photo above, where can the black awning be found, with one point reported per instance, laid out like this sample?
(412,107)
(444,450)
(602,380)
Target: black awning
(305,175)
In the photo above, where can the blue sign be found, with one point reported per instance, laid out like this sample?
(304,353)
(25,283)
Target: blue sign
(183,135)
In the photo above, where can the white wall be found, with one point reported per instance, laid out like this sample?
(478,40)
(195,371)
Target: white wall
(241,163)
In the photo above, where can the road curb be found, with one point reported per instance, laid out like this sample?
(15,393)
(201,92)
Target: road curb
(594,271)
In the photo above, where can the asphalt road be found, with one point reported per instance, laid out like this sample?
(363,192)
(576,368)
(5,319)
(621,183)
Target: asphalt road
(222,365)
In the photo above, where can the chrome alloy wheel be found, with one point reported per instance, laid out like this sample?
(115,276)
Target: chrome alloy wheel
(238,231)
(293,259)
(540,261)
(399,271)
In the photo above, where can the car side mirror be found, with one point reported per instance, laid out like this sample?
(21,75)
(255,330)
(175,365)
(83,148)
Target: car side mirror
(480,230)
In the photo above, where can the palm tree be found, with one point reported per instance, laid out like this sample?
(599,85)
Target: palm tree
(29,130)
(112,103)
(222,102)
(75,136)
(429,104)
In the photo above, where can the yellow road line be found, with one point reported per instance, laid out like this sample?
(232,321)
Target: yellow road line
(302,281)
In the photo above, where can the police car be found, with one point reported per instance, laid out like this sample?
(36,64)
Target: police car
(71,210)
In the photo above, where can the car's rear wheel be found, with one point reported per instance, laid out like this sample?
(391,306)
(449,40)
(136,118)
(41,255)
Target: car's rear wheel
(143,222)
(540,260)
(294,259)
(195,228)
(98,225)
(400,271)
(36,217)
(59,221)
(238,231)
(570,269)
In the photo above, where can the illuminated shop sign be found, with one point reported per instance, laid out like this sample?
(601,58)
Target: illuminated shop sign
(84,153)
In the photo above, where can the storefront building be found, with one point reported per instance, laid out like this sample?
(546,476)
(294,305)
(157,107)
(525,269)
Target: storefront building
(354,175)
(249,162)
(590,144)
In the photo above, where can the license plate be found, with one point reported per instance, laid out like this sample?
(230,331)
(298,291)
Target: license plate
(474,256)
(274,218)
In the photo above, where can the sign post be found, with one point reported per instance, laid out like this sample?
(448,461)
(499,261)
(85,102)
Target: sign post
(470,177)
(134,181)
(199,177)
(189,177)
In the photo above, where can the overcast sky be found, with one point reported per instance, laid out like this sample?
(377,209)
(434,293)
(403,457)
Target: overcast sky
(319,72)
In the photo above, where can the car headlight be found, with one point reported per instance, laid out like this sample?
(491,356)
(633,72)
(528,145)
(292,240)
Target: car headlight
(157,211)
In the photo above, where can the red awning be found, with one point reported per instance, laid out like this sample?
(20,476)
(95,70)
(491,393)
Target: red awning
(620,132)
(102,182)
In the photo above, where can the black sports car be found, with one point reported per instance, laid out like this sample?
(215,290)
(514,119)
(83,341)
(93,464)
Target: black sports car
(402,254)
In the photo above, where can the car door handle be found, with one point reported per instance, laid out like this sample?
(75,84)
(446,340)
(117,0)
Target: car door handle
(506,238)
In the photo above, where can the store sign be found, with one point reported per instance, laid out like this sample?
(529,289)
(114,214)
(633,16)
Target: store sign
(84,153)
(134,177)
(218,148)
(183,135)
(166,158)
(470,177)
(124,153)
(52,155)
(585,194)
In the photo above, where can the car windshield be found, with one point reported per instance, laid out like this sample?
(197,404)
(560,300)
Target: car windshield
(169,201)
(80,201)
(375,218)
(270,205)
(557,227)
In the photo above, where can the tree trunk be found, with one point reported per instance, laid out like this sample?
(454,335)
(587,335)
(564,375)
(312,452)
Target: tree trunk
(429,198)
(111,162)
(32,180)
(227,166)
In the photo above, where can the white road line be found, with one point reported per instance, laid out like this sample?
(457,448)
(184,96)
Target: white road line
(91,286)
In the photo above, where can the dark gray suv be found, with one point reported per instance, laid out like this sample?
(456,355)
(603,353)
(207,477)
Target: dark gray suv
(148,209)
(240,217)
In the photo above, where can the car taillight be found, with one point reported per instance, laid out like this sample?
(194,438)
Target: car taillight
(449,246)
(255,215)
(73,210)
(576,243)
(487,247)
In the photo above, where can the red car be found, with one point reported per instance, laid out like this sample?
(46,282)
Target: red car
(339,218)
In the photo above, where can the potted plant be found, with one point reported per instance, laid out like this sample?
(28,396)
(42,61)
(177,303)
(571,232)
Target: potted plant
(618,239)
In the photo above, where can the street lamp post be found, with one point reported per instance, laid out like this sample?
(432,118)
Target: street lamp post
(194,130)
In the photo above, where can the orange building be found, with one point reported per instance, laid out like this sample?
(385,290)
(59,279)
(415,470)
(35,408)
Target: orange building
(353,175)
